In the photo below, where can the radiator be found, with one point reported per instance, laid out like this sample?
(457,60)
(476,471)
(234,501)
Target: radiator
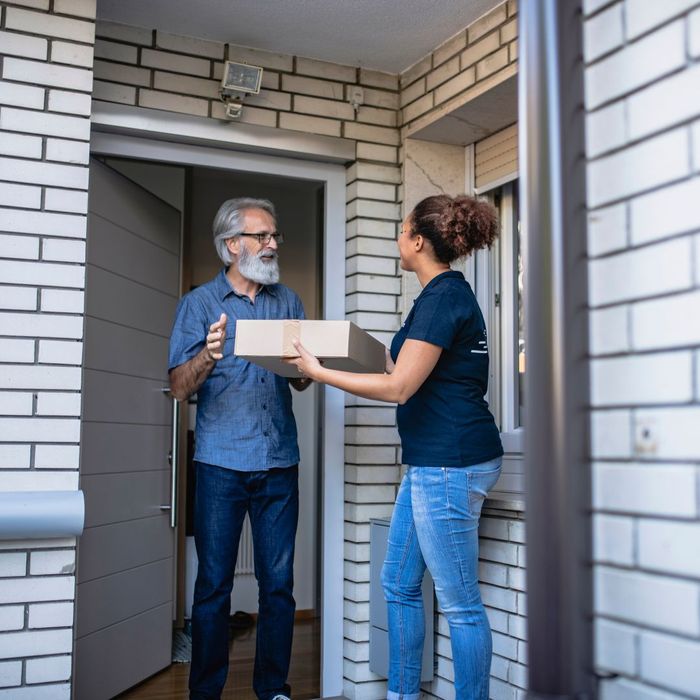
(244,562)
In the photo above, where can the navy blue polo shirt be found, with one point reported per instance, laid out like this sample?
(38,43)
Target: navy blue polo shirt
(447,422)
(244,412)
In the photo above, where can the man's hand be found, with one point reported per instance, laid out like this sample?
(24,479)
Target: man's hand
(216,338)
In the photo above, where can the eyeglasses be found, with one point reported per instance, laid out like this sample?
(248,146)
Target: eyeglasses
(265,237)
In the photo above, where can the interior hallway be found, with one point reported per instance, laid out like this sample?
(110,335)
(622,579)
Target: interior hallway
(304,674)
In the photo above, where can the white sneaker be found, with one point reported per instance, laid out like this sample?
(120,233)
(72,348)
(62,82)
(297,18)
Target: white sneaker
(280,697)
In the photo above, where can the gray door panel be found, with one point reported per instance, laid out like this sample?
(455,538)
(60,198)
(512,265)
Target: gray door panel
(123,595)
(125,253)
(124,598)
(107,549)
(136,349)
(119,497)
(109,448)
(99,673)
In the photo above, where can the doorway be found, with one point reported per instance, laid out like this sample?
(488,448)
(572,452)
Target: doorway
(304,219)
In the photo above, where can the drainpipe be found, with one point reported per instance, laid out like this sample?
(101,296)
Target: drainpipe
(557,465)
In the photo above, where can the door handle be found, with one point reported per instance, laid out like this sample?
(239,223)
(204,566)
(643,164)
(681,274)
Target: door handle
(173,459)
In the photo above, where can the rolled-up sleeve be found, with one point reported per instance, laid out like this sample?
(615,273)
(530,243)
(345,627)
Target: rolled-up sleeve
(189,332)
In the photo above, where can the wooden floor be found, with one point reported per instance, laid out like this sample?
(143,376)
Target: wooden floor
(304,674)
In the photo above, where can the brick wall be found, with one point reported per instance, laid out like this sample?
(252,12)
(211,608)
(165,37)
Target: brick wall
(643,136)
(44,144)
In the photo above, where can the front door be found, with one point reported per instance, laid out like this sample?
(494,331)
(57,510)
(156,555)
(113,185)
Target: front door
(126,553)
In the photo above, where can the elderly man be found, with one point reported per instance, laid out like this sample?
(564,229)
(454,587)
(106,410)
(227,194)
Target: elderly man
(246,454)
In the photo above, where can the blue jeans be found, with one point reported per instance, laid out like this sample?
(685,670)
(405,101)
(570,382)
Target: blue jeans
(435,523)
(222,498)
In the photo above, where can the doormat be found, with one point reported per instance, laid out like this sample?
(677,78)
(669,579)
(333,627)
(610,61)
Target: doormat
(182,647)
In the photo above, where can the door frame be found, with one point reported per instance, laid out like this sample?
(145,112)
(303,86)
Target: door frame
(332,176)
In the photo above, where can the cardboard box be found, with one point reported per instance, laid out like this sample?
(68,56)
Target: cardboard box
(340,344)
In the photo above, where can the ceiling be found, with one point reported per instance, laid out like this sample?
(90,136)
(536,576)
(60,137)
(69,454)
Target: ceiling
(386,35)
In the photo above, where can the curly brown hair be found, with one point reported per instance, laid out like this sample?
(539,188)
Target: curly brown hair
(455,226)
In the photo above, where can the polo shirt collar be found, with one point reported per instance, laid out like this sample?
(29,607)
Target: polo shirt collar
(443,275)
(224,288)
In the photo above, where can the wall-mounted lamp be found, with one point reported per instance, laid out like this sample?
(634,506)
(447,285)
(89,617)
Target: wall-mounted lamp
(239,80)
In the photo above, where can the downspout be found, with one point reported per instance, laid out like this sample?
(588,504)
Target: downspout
(557,464)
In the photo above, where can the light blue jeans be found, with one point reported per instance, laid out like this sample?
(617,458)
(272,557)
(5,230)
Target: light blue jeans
(435,523)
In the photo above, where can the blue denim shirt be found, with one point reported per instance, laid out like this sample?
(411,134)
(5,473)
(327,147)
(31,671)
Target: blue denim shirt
(244,412)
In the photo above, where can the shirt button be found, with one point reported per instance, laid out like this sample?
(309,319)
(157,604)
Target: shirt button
(266,433)
(262,380)
(264,407)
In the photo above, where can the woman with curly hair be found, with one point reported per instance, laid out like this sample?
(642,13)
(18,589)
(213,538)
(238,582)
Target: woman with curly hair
(437,372)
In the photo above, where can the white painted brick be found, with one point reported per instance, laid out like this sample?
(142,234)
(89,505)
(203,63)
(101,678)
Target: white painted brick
(370,302)
(670,547)
(37,173)
(370,265)
(413,92)
(695,131)
(38,4)
(72,54)
(375,134)
(379,98)
(58,404)
(29,590)
(415,71)
(120,73)
(609,330)
(257,57)
(62,301)
(615,647)
(251,115)
(641,62)
(501,598)
(19,196)
(486,23)
(59,561)
(641,16)
(12,144)
(69,103)
(611,434)
(645,489)
(374,115)
(176,63)
(646,272)
(270,99)
(655,601)
(10,674)
(46,223)
(11,616)
(694,34)
(38,692)
(21,95)
(123,32)
(370,151)
(13,564)
(173,103)
(674,435)
(60,352)
(56,457)
(18,298)
(68,201)
(173,82)
(314,125)
(665,212)
(370,455)
(613,539)
(69,152)
(78,8)
(373,209)
(603,33)
(19,644)
(35,72)
(41,325)
(456,85)
(492,63)
(113,92)
(13,403)
(13,350)
(624,689)
(15,456)
(50,25)
(191,45)
(44,670)
(371,190)
(649,164)
(24,247)
(373,284)
(671,101)
(475,52)
(374,228)
(665,323)
(672,663)
(643,379)
(605,129)
(323,108)
(386,81)
(607,230)
(322,69)
(450,48)
(35,480)
(12,44)
(39,377)
(46,274)
(63,250)
(50,615)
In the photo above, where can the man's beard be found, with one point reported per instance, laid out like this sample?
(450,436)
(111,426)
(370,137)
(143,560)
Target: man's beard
(252,267)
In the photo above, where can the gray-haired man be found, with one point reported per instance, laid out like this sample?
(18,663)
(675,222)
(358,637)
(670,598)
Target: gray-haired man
(246,452)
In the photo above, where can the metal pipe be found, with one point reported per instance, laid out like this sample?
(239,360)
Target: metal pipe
(557,465)
(41,514)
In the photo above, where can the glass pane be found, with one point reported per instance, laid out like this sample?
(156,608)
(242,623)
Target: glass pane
(520,364)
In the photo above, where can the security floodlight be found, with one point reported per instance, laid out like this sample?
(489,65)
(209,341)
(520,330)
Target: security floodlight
(240,77)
